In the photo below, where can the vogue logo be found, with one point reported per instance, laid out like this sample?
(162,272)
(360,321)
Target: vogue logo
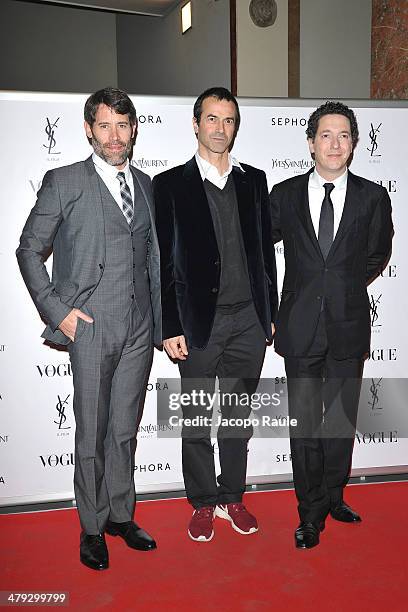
(390,185)
(377,437)
(35,185)
(390,271)
(383,354)
(50,370)
(63,460)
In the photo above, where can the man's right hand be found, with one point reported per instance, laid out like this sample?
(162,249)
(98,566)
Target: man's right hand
(176,347)
(69,324)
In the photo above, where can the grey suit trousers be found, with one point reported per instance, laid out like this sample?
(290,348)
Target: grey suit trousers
(111,360)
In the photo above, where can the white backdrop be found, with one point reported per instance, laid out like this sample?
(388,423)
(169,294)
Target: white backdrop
(42,131)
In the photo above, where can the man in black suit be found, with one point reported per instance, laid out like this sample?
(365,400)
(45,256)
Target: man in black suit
(337,231)
(218,300)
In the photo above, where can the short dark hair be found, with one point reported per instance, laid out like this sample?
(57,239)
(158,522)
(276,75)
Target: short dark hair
(332,108)
(220,93)
(114,98)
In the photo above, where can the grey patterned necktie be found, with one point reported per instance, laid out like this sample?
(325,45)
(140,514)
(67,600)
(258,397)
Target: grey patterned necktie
(127,202)
(326,222)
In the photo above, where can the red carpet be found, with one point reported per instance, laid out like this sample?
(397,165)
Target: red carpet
(356,567)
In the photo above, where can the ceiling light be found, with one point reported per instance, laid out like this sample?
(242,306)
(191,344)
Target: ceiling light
(186,17)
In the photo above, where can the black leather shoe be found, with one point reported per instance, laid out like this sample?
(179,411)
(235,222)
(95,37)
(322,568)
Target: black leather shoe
(132,534)
(307,534)
(93,551)
(345,514)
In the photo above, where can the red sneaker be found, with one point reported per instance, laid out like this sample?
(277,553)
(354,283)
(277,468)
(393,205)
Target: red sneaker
(241,520)
(200,528)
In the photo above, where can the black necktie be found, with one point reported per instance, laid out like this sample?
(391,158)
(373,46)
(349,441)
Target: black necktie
(326,222)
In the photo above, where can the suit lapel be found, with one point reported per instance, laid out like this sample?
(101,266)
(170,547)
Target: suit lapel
(349,211)
(246,208)
(196,200)
(146,195)
(301,205)
(96,199)
(143,190)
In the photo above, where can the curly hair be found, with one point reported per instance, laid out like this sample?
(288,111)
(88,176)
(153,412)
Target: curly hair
(332,108)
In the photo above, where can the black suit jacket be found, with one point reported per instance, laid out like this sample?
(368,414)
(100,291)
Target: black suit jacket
(358,254)
(190,259)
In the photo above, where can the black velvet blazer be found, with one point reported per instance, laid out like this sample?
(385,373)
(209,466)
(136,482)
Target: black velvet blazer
(190,259)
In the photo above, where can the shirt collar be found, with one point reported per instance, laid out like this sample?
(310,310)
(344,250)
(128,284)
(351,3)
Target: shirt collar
(109,171)
(205,167)
(316,181)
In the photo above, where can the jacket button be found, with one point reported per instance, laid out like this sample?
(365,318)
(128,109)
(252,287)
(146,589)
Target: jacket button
(319,297)
(100,266)
(132,297)
(216,263)
(214,290)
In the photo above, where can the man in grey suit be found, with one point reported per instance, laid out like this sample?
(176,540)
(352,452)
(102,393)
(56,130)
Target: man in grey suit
(103,301)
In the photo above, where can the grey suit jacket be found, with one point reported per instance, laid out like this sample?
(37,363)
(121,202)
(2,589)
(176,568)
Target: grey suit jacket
(68,220)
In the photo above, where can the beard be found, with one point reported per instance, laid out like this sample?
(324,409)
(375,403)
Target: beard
(113,158)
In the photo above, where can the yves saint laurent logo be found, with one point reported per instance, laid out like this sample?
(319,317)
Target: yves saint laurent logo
(374,310)
(373,135)
(60,407)
(50,131)
(374,387)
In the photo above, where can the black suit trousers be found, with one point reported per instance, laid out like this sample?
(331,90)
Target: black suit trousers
(323,395)
(234,354)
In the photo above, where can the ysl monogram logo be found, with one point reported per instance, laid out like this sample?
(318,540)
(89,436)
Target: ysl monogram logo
(373,134)
(374,394)
(50,131)
(60,407)
(374,310)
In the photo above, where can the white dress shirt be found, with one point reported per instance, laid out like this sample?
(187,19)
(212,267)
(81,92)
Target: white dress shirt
(210,172)
(316,197)
(109,175)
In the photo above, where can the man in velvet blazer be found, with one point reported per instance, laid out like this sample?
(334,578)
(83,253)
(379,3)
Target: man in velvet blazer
(218,300)
(337,230)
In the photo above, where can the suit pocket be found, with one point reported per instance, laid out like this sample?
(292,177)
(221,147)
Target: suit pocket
(180,288)
(80,328)
(287,295)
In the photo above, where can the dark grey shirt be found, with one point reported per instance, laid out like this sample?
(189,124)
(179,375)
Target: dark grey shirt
(235,287)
